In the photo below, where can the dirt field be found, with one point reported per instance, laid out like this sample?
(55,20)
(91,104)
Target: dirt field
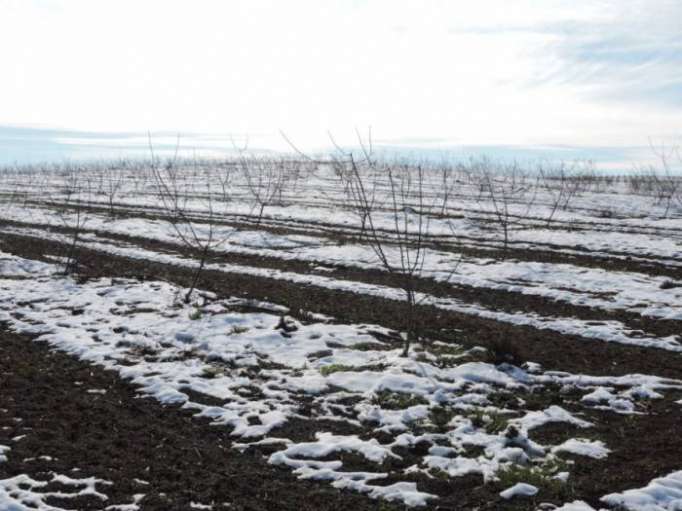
(548,355)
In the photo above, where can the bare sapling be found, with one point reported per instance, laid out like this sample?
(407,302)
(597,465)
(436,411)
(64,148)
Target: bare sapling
(449,180)
(11,187)
(223,173)
(399,243)
(554,187)
(667,186)
(351,174)
(560,184)
(112,183)
(34,184)
(505,189)
(72,212)
(199,234)
(265,180)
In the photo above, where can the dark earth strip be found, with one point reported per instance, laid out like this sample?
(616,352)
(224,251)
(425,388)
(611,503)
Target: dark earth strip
(493,299)
(551,349)
(540,252)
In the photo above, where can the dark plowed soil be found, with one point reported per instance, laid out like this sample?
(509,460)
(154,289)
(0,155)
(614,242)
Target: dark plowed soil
(120,437)
(643,447)
(493,299)
(467,245)
(131,441)
(551,349)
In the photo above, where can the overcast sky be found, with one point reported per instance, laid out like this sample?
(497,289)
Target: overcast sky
(574,72)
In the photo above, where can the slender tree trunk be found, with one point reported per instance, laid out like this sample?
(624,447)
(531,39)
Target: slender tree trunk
(70,263)
(195,278)
(411,327)
(260,214)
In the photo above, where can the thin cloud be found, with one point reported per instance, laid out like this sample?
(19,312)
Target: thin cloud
(490,72)
(633,55)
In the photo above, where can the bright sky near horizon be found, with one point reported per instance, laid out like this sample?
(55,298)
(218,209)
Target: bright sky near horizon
(575,72)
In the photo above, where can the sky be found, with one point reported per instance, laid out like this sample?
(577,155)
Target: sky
(431,73)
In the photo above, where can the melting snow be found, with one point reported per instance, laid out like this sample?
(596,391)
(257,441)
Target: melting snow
(251,375)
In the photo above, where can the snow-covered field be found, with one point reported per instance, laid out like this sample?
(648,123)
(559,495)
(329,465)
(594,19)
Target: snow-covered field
(600,266)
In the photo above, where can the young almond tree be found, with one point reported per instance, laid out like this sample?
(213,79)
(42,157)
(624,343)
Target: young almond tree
(400,244)
(199,233)
(667,183)
(561,184)
(112,182)
(265,180)
(71,210)
(349,176)
(505,189)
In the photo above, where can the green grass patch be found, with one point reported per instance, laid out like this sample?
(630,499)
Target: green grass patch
(493,422)
(390,400)
(440,417)
(336,368)
(541,476)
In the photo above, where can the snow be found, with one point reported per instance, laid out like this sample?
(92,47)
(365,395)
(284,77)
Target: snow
(593,449)
(606,330)
(23,268)
(577,285)
(23,493)
(256,377)
(519,490)
(143,331)
(661,494)
(317,208)
(603,398)
(635,230)
(552,414)
(402,492)
(577,505)
(133,506)
(198,505)
(327,444)
(3,453)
